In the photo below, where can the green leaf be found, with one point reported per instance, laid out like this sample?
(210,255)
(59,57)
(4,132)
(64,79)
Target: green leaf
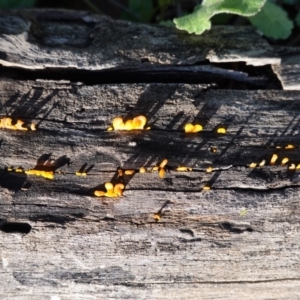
(297,19)
(199,20)
(10,4)
(273,22)
(139,11)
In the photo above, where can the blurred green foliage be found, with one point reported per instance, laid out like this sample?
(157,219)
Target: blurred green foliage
(11,4)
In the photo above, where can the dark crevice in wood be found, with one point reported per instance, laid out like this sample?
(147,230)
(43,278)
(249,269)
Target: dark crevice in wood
(15,227)
(223,76)
(234,228)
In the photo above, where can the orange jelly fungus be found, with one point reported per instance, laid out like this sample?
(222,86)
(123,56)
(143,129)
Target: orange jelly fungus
(273,159)
(111,190)
(290,146)
(262,163)
(45,174)
(129,172)
(6,123)
(284,161)
(213,149)
(161,168)
(209,169)
(136,123)
(206,188)
(292,167)
(157,217)
(142,170)
(183,169)
(252,165)
(81,173)
(192,128)
(221,130)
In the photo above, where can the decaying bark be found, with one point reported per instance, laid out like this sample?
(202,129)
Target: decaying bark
(238,240)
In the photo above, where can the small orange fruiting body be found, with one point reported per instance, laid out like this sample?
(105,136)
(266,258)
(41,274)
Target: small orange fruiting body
(273,159)
(136,123)
(188,128)
(209,169)
(252,165)
(45,174)
(284,161)
(290,146)
(129,172)
(221,130)
(157,217)
(111,191)
(142,170)
(183,169)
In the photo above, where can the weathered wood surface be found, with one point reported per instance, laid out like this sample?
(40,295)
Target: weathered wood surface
(239,240)
(91,42)
(289,68)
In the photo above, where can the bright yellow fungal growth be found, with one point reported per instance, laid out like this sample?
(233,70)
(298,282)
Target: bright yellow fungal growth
(284,161)
(19,170)
(33,126)
(209,170)
(298,167)
(163,163)
(206,188)
(221,130)
(10,169)
(155,168)
(157,217)
(6,123)
(290,146)
(162,173)
(273,159)
(213,149)
(129,172)
(45,174)
(183,169)
(138,122)
(111,191)
(192,128)
(252,165)
(81,173)
(142,170)
(292,167)
(262,163)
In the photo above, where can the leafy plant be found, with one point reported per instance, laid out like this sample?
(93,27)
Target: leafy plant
(199,20)
(273,22)
(268,17)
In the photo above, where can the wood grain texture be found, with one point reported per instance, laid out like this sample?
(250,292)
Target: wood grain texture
(238,240)
(288,70)
(39,39)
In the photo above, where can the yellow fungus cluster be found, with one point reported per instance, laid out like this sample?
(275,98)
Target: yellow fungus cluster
(190,128)
(157,217)
(161,168)
(45,174)
(221,130)
(183,169)
(111,190)
(83,174)
(137,123)
(7,124)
